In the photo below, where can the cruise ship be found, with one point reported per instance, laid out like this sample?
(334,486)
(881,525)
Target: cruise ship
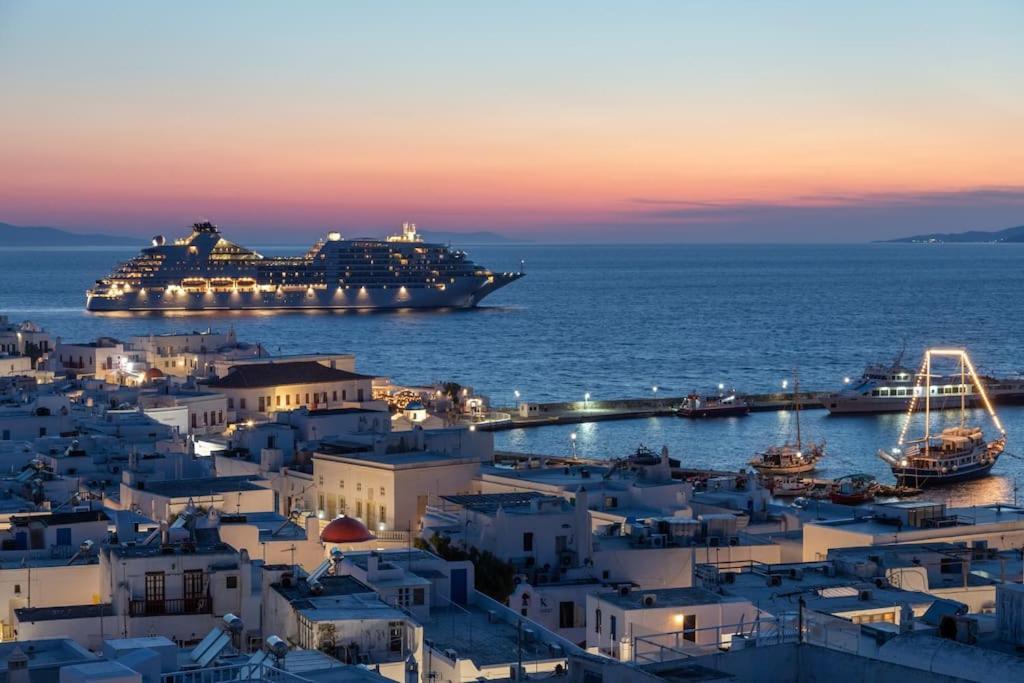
(203,271)
(888,388)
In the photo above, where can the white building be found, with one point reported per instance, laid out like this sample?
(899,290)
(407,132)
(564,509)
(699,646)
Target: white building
(261,389)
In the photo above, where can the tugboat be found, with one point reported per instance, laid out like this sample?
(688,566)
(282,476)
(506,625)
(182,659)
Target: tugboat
(790,458)
(957,453)
(721,405)
(853,489)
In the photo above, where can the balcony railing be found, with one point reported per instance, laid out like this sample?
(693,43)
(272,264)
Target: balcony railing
(155,608)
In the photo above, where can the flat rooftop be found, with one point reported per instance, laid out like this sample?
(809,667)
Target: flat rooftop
(333,586)
(395,460)
(30,614)
(472,635)
(663,597)
(48,652)
(272,525)
(571,477)
(183,488)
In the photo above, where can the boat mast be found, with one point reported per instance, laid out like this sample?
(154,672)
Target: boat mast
(796,406)
(927,396)
(963,392)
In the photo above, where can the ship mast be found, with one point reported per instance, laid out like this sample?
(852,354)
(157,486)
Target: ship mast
(796,406)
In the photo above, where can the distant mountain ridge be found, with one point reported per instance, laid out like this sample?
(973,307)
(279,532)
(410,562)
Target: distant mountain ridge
(45,236)
(1015,234)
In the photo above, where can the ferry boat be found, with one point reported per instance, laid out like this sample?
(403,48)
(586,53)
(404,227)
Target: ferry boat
(203,271)
(721,405)
(956,453)
(789,458)
(888,388)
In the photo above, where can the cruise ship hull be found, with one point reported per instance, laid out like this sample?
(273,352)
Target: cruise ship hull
(1006,393)
(464,293)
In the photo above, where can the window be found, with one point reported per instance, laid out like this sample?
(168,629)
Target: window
(17,589)
(263,405)
(231,403)
(341,505)
(334,395)
(597,620)
(359,486)
(528,541)
(359,509)
(613,628)
(383,515)
(404,597)
(419,596)
(690,627)
(278,401)
(567,614)
(320,502)
(307,397)
(220,417)
(193,416)
(341,483)
(288,400)
(360,396)
(155,588)
(231,582)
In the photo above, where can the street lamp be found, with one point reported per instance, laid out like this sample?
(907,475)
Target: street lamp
(572,440)
(516,392)
(586,401)
(654,389)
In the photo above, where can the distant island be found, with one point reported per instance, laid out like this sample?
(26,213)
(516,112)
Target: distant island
(1015,234)
(44,236)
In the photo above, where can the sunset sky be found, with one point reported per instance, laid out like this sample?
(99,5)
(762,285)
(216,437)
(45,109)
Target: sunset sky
(596,121)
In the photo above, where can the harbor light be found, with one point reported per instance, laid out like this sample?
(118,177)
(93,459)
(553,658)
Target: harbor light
(655,390)
(516,392)
(846,380)
(721,387)
(785,384)
(572,440)
(586,401)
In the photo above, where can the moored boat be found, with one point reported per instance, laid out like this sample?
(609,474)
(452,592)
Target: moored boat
(722,405)
(853,489)
(790,458)
(955,454)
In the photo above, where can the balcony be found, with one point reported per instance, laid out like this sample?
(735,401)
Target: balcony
(171,607)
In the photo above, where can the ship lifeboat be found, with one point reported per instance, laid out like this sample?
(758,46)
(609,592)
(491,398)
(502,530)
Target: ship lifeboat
(195,284)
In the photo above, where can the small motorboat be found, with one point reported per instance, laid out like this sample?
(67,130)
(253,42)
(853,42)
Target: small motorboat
(790,487)
(853,489)
(722,405)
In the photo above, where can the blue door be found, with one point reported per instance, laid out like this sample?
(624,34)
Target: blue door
(459,590)
(64,536)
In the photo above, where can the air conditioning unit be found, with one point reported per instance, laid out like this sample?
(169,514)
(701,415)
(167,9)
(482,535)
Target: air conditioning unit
(729,577)
(864,595)
(649,600)
(714,542)
(659,540)
(624,591)
(774,580)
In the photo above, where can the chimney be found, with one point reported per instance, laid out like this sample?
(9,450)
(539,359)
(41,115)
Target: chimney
(17,667)
(372,566)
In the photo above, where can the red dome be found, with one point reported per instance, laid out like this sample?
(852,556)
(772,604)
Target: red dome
(346,530)
(154,373)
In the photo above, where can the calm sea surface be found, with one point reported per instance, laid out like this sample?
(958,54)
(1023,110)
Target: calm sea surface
(616,320)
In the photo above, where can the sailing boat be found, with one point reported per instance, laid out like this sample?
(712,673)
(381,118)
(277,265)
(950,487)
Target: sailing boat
(956,453)
(790,458)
